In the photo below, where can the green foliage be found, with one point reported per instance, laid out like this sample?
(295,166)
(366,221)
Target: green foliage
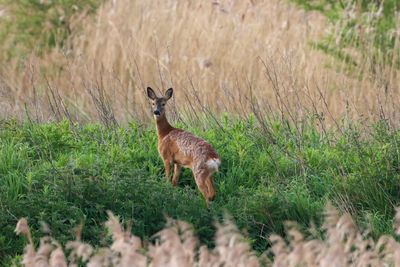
(62,173)
(372,28)
(36,25)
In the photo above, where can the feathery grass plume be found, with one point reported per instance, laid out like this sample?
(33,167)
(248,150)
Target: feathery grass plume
(344,244)
(125,244)
(396,221)
(279,249)
(57,258)
(29,251)
(103,257)
(176,247)
(43,252)
(39,258)
(79,249)
(231,249)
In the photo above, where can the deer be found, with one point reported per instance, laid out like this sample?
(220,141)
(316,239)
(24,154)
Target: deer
(179,148)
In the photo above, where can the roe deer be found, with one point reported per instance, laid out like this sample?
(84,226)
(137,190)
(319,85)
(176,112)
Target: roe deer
(180,148)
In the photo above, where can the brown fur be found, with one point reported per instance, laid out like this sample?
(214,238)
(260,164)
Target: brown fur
(182,149)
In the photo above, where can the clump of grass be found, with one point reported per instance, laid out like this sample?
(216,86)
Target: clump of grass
(176,245)
(344,244)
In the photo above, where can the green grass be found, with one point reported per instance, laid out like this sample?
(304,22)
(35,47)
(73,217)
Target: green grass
(36,26)
(62,173)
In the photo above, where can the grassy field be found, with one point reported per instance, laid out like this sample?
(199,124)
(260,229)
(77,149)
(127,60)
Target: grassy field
(62,173)
(299,98)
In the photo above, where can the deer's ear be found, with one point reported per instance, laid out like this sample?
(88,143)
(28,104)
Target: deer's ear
(151,94)
(168,93)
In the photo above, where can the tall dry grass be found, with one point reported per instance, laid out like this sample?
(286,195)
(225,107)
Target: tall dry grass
(345,244)
(231,56)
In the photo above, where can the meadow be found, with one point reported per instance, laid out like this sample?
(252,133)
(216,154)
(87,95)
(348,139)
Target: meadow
(62,173)
(300,100)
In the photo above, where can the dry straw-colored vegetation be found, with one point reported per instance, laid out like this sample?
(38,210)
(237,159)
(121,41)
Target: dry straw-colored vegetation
(238,57)
(345,244)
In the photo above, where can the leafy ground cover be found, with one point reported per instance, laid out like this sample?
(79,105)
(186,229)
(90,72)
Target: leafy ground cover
(62,173)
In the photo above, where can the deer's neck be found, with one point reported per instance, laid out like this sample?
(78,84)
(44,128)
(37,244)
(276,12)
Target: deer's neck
(163,126)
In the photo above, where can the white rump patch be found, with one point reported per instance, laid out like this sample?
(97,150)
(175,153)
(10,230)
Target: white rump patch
(213,164)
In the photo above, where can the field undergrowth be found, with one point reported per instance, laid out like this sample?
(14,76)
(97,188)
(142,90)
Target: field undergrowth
(271,172)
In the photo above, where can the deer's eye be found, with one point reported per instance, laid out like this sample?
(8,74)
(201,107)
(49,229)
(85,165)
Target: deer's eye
(152,104)
(163,104)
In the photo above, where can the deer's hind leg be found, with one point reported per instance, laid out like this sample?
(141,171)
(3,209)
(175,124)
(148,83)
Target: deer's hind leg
(205,185)
(210,187)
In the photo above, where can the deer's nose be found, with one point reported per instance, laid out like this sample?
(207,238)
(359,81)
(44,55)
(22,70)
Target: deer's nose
(156,112)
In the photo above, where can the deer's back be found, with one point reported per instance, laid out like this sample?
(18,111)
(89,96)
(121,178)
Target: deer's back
(187,149)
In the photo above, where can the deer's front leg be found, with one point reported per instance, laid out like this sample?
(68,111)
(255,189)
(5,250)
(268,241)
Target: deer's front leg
(167,167)
(177,172)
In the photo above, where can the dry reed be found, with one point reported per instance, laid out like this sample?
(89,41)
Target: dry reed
(232,55)
(344,244)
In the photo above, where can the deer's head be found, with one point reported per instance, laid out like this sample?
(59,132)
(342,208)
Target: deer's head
(159,103)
